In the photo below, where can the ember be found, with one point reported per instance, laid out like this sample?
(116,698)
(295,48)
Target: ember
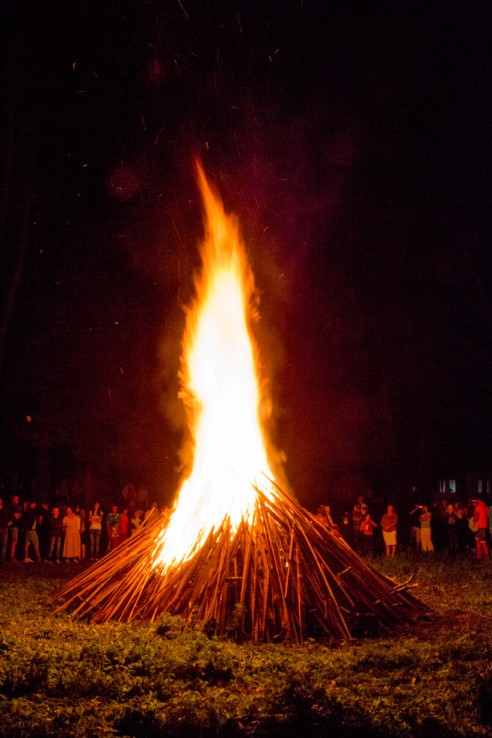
(236,551)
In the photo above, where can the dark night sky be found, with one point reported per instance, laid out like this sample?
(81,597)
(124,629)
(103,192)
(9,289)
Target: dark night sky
(350,138)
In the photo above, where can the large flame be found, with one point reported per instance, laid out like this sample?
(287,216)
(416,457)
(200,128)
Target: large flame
(221,391)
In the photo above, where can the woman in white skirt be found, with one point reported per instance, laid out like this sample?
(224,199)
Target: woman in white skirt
(71,528)
(389,521)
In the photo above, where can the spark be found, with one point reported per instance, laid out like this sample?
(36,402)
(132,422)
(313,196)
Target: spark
(184,11)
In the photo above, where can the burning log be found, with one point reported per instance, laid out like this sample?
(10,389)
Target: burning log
(241,555)
(284,576)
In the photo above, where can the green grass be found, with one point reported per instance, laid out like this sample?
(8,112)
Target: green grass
(62,677)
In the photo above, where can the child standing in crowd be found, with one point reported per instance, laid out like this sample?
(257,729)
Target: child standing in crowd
(367,529)
(324,516)
(136,522)
(113,524)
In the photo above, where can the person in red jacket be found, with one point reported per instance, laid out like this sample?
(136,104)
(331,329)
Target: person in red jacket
(125,525)
(481,517)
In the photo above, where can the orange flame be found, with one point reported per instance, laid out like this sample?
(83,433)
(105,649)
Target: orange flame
(221,391)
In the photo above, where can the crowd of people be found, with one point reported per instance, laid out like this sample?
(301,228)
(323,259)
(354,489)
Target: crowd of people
(450,526)
(32,531)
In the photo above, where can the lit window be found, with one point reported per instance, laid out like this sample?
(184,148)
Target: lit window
(452,486)
(442,486)
(480,487)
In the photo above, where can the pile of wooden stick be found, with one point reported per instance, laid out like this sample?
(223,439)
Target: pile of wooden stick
(284,575)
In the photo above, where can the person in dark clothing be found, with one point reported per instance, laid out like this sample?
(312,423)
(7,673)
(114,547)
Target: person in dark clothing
(356,521)
(5,522)
(15,512)
(44,529)
(55,534)
(451,523)
(346,529)
(415,514)
(30,524)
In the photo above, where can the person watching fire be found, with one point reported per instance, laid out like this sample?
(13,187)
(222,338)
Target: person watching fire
(113,524)
(367,529)
(481,516)
(389,521)
(324,516)
(425,529)
(31,523)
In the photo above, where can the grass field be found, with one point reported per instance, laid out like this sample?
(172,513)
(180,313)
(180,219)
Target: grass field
(60,677)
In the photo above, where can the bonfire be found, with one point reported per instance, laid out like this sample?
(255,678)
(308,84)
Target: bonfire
(236,554)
